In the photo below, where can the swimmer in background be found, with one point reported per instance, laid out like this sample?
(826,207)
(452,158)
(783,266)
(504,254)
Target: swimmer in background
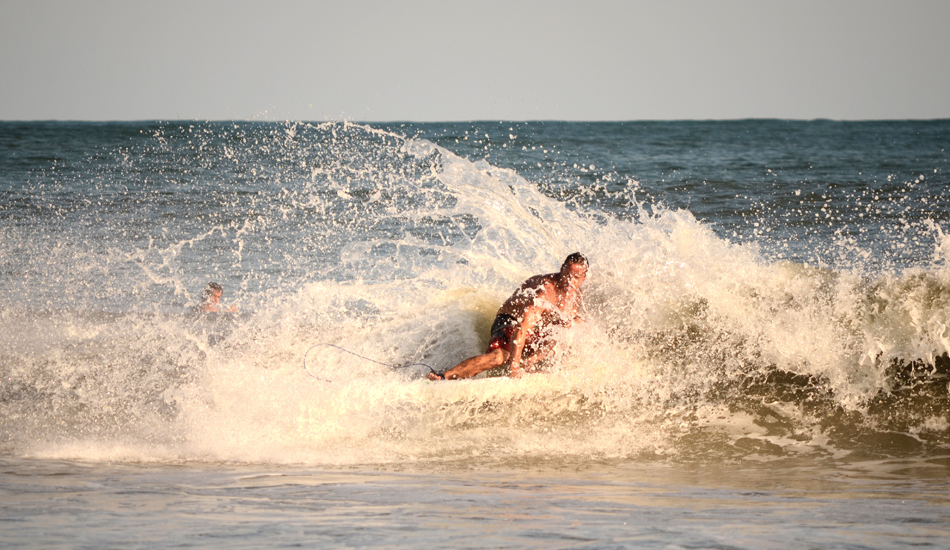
(521,331)
(211,302)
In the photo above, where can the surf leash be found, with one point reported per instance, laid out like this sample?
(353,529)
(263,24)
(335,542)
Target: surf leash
(363,357)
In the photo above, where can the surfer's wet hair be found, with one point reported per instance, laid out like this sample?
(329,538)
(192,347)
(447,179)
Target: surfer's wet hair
(576,258)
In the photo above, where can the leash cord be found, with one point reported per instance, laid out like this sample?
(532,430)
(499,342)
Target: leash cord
(363,357)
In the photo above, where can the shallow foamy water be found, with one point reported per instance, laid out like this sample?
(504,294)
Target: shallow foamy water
(461,505)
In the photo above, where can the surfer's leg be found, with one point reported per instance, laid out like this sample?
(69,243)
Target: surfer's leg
(474,365)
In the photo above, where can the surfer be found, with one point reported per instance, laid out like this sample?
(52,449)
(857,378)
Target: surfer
(211,302)
(521,332)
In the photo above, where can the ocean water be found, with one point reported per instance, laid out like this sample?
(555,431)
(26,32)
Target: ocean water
(764,363)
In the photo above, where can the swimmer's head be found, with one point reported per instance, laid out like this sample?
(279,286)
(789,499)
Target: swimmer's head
(213,290)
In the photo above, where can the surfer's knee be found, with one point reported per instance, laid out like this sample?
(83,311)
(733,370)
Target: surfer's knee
(498,357)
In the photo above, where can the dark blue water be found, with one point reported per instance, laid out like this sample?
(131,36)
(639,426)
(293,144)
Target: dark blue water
(804,191)
(843,194)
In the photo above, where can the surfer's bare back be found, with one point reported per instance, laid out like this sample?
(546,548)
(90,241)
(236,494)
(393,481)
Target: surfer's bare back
(520,331)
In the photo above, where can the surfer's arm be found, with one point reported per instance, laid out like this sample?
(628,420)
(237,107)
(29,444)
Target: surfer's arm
(580,312)
(519,336)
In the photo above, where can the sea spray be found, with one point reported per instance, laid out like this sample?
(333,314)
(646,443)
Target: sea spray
(696,345)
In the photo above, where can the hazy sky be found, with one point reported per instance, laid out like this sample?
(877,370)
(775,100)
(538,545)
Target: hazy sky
(478,60)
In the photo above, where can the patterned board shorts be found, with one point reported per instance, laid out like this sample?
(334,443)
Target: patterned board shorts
(501,332)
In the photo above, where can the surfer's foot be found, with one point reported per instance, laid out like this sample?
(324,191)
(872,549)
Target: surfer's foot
(435,376)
